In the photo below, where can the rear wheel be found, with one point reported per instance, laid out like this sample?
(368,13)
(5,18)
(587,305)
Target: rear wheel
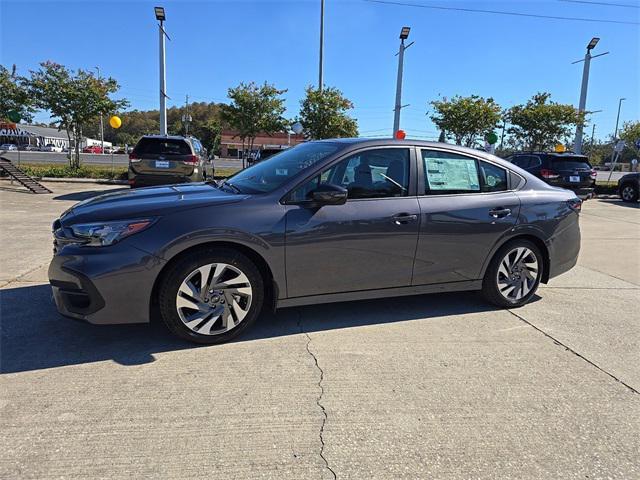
(513,275)
(211,296)
(629,192)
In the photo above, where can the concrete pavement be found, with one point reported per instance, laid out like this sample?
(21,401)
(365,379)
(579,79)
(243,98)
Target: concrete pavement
(440,386)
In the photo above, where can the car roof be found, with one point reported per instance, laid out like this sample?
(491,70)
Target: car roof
(551,154)
(167,137)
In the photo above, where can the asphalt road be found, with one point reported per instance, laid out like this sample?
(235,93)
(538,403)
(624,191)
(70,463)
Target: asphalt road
(93,159)
(438,387)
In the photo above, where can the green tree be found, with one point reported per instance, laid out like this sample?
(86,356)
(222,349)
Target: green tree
(73,99)
(540,123)
(323,114)
(254,109)
(630,133)
(466,119)
(14,95)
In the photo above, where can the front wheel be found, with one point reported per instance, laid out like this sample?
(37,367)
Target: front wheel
(513,275)
(211,296)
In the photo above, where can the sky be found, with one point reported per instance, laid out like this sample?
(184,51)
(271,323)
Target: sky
(217,44)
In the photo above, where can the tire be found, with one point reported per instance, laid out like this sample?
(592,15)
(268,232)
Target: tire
(223,311)
(629,192)
(525,277)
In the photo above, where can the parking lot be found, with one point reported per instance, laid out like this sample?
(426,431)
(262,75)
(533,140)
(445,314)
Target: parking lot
(441,386)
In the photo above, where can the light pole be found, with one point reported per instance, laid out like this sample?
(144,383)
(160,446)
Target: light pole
(160,16)
(320,69)
(583,90)
(615,133)
(101,121)
(404,34)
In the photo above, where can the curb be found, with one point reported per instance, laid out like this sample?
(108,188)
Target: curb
(83,180)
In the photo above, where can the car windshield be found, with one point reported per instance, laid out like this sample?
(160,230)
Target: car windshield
(270,174)
(575,163)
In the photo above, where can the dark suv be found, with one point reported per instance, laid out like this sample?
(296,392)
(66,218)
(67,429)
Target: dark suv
(565,170)
(161,160)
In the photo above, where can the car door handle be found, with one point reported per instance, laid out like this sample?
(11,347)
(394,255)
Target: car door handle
(404,218)
(500,212)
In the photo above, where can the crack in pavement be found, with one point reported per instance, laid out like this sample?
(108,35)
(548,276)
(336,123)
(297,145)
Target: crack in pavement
(319,398)
(566,347)
(17,278)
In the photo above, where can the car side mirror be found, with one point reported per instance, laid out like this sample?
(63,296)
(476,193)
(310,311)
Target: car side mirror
(328,194)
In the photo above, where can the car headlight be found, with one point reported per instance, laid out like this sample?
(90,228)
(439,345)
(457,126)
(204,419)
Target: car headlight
(107,233)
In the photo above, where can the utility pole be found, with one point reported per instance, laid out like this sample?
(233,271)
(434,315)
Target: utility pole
(583,90)
(101,121)
(160,16)
(593,132)
(320,70)
(186,117)
(404,34)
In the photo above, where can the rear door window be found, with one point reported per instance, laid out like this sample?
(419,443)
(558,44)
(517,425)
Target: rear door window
(494,178)
(561,164)
(162,146)
(447,173)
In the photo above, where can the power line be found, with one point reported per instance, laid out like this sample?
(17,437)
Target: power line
(601,3)
(499,12)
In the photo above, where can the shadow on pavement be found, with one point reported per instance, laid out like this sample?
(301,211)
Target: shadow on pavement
(78,196)
(34,336)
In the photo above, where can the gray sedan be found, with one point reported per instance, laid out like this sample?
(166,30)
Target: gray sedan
(326,221)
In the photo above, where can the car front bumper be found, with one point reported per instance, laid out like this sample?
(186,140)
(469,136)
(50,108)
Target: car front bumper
(104,285)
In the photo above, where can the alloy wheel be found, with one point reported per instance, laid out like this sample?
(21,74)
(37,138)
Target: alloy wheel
(517,274)
(214,298)
(628,193)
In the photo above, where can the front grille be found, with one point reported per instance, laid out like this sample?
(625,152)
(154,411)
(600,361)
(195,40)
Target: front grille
(63,236)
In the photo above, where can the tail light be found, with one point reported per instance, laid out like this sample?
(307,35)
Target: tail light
(133,158)
(549,174)
(191,160)
(575,204)
(593,174)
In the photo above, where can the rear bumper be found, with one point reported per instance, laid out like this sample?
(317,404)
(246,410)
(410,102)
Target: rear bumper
(148,180)
(110,285)
(564,246)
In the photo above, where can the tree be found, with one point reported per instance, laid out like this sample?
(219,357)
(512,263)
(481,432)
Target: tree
(15,96)
(73,99)
(254,109)
(540,123)
(323,114)
(466,118)
(630,132)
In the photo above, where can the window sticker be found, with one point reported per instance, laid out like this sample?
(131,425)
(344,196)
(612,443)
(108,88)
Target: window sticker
(452,174)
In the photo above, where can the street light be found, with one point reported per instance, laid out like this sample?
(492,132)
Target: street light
(404,34)
(594,41)
(159,14)
(583,89)
(161,17)
(101,121)
(615,134)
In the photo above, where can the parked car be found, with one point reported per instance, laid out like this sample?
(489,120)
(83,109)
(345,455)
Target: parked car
(565,170)
(8,147)
(324,221)
(25,147)
(50,147)
(161,160)
(629,187)
(92,149)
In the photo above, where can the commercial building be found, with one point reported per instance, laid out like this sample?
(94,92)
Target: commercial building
(267,144)
(32,135)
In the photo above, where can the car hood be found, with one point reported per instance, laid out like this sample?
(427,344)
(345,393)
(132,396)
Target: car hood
(147,202)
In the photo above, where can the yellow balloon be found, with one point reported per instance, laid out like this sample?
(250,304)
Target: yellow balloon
(115,122)
(560,148)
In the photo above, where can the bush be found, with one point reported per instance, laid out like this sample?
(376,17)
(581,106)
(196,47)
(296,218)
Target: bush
(83,171)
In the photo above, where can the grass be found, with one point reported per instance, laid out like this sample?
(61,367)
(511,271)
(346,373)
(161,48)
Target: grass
(92,171)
